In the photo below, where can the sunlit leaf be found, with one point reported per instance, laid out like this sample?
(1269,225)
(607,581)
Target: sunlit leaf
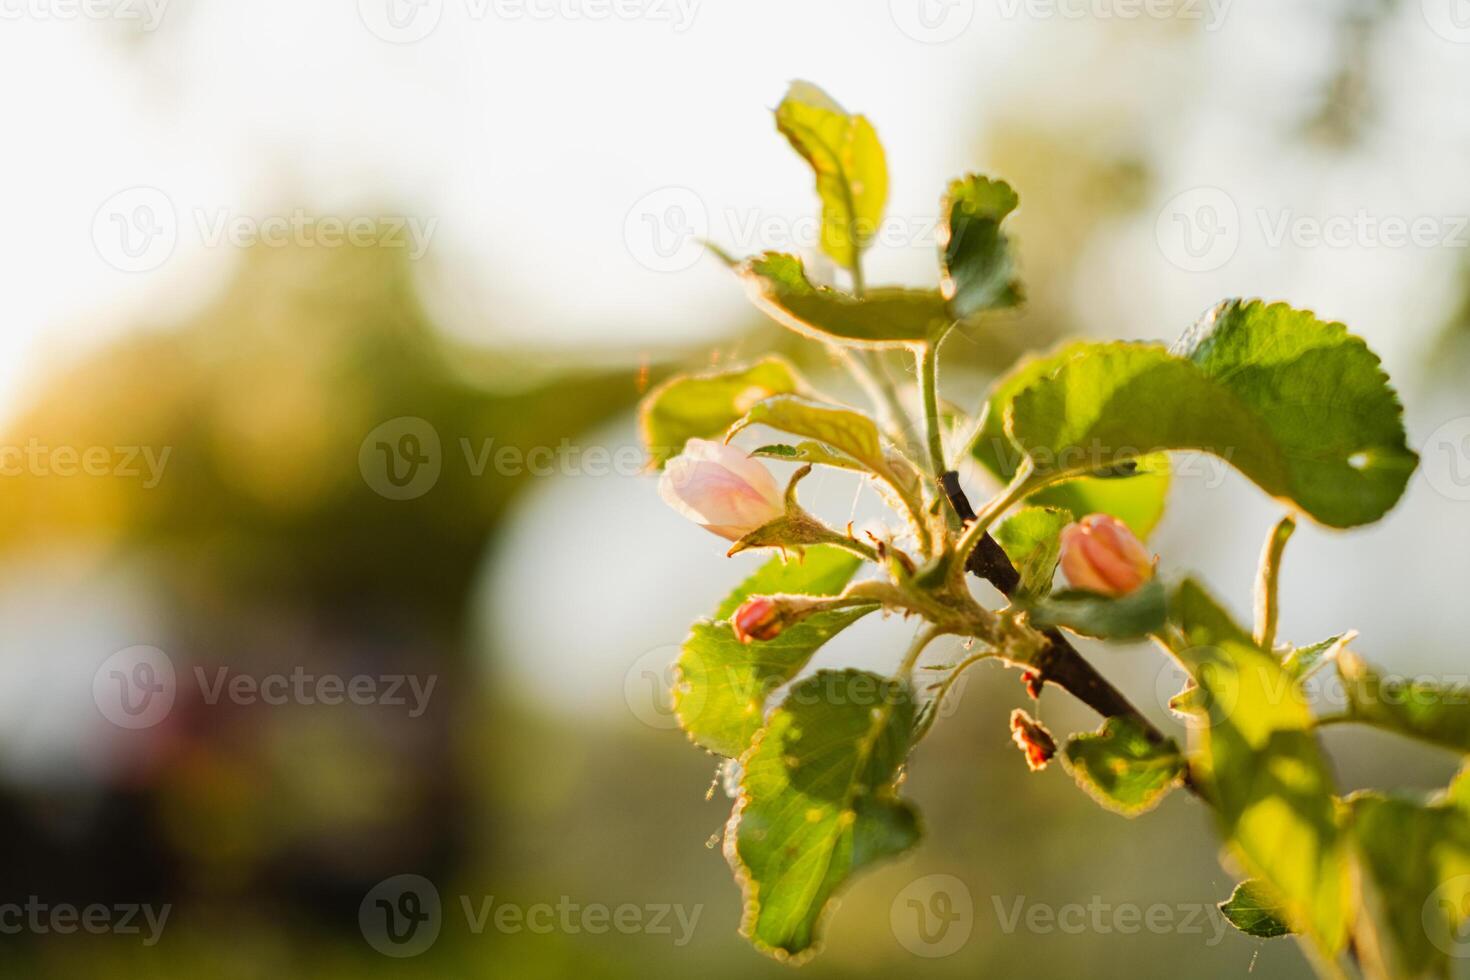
(1031,539)
(1253,750)
(843,429)
(850,433)
(1136,500)
(1122,768)
(978,270)
(1202,620)
(1458,792)
(823,570)
(884,317)
(1302,662)
(702,406)
(809,451)
(1134,616)
(1250,910)
(819,802)
(1422,709)
(852,174)
(1417,858)
(1299,406)
(722,684)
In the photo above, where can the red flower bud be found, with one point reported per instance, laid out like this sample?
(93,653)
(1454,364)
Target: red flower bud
(1033,739)
(1100,554)
(758,618)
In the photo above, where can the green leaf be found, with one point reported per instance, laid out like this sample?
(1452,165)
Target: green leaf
(1249,910)
(852,174)
(702,406)
(1134,616)
(886,317)
(1136,500)
(824,570)
(1458,793)
(978,271)
(722,684)
(1031,539)
(1189,702)
(1302,662)
(819,802)
(1299,406)
(811,452)
(721,687)
(841,429)
(1202,620)
(1437,713)
(1253,751)
(1418,858)
(1122,768)
(900,485)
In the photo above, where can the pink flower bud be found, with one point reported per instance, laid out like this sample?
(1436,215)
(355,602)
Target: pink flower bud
(758,618)
(1100,554)
(721,489)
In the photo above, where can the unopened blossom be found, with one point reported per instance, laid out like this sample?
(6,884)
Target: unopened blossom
(758,618)
(721,489)
(1100,554)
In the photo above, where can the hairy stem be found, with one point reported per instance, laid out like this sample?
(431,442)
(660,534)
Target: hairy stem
(883,398)
(886,391)
(954,675)
(911,658)
(856,547)
(875,378)
(928,364)
(1268,582)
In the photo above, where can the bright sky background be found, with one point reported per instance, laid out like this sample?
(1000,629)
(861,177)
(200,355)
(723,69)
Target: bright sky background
(532,146)
(528,146)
